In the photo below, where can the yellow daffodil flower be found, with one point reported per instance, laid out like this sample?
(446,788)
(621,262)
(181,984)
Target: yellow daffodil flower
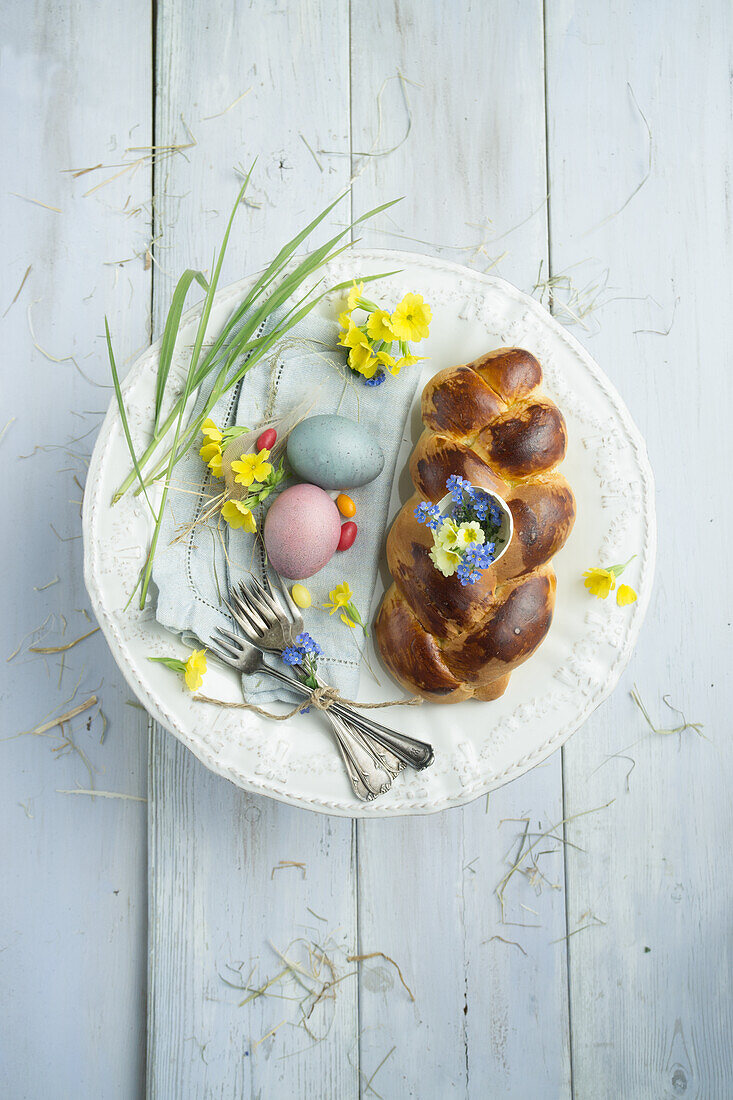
(339,597)
(354,295)
(238,515)
(194,669)
(252,467)
(625,595)
(411,319)
(379,326)
(468,533)
(599,582)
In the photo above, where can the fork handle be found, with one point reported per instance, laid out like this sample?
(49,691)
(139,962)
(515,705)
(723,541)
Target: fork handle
(417,754)
(369,776)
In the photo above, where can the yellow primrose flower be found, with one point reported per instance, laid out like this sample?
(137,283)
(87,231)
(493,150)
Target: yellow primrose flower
(447,535)
(411,318)
(445,560)
(354,294)
(347,620)
(599,582)
(345,320)
(362,361)
(195,668)
(339,597)
(379,326)
(625,595)
(238,515)
(252,467)
(468,533)
(210,432)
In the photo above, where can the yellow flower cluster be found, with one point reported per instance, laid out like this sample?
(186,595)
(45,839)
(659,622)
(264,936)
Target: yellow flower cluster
(211,447)
(450,540)
(601,582)
(382,340)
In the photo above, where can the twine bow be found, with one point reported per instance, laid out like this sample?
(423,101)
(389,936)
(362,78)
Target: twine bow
(322,698)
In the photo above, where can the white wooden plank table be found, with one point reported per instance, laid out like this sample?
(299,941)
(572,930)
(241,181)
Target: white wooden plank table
(531,129)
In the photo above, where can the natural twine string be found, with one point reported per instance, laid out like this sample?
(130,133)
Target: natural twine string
(321,698)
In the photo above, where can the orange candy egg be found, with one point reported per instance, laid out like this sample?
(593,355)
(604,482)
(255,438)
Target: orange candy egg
(345,505)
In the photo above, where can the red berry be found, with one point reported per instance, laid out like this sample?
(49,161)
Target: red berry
(267,440)
(348,534)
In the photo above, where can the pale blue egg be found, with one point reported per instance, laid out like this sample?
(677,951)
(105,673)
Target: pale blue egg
(334,452)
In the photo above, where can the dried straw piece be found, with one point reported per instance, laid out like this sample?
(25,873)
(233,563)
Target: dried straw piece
(104,794)
(381,955)
(36,202)
(63,718)
(17,293)
(61,648)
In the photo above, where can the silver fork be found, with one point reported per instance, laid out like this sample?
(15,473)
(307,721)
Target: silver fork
(262,602)
(371,769)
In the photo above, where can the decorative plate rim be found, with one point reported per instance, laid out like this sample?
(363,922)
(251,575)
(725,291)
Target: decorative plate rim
(348,807)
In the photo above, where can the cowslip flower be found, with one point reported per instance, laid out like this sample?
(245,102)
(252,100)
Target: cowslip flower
(354,295)
(362,361)
(192,670)
(211,454)
(625,595)
(379,326)
(250,468)
(237,515)
(210,432)
(353,337)
(341,600)
(601,581)
(411,319)
(339,597)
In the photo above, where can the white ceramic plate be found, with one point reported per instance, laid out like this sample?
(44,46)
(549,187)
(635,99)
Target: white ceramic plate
(478,746)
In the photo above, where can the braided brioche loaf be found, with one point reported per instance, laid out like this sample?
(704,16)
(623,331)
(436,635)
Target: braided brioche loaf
(488,422)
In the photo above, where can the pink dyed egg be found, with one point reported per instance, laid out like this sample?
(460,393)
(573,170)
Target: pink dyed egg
(302,530)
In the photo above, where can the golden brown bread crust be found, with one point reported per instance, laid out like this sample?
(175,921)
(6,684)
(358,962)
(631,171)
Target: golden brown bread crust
(488,422)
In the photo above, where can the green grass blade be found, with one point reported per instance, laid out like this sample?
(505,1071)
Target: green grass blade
(170,334)
(188,389)
(123,414)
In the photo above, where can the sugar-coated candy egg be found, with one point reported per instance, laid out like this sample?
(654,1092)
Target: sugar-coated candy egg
(348,534)
(345,505)
(266,441)
(301,595)
(301,531)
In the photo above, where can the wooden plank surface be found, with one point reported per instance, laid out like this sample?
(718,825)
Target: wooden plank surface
(650,989)
(648,1012)
(490,1017)
(217,897)
(73,894)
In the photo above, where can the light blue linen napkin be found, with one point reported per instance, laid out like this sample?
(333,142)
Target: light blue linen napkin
(193,574)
